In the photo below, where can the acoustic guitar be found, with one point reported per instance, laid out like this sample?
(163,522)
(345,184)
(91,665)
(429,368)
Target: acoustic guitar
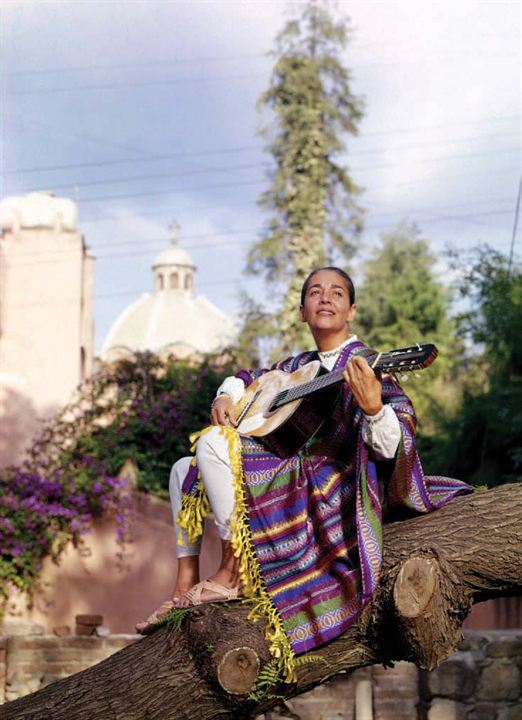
(284,410)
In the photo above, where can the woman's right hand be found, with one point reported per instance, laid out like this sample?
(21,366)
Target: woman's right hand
(222,411)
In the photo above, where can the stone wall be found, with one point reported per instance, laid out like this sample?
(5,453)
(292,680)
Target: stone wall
(480,682)
(483,681)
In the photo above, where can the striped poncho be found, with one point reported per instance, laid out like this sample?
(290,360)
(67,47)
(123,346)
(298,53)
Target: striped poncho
(308,529)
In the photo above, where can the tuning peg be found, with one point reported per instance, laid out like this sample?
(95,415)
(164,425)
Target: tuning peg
(417,375)
(405,378)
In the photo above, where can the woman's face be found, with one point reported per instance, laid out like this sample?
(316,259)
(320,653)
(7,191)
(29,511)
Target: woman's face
(326,306)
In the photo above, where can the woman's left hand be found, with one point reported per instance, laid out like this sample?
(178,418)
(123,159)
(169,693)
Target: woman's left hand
(365,385)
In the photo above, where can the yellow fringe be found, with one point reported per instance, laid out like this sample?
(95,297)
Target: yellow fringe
(250,573)
(194,509)
(191,515)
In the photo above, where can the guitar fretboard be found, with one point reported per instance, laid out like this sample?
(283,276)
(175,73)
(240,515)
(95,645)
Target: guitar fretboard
(412,358)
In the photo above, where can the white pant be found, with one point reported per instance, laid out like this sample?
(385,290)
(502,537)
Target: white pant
(213,458)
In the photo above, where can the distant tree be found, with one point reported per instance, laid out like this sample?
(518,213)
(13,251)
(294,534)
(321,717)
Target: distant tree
(494,321)
(401,302)
(312,198)
(483,442)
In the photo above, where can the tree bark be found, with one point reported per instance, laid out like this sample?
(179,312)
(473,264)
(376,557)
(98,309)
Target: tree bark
(435,567)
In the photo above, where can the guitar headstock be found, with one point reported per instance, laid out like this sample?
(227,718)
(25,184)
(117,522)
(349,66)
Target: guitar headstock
(414,357)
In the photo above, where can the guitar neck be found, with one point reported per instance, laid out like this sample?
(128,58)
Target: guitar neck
(300,391)
(411,358)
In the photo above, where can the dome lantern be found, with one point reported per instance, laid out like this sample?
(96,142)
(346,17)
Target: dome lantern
(174,268)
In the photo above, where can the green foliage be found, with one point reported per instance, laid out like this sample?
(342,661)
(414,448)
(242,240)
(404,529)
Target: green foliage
(483,441)
(400,300)
(312,197)
(268,679)
(495,320)
(175,618)
(400,303)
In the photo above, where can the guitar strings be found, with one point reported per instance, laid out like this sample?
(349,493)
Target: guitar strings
(382,361)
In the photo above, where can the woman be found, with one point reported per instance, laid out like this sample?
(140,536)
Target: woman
(303,535)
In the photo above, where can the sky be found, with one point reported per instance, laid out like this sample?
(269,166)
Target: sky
(144,113)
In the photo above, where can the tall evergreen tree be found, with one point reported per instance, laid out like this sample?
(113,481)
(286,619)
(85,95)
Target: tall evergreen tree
(312,198)
(401,302)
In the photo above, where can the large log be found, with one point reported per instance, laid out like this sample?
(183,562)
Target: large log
(435,567)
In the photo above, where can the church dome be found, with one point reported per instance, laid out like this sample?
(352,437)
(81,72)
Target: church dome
(174,320)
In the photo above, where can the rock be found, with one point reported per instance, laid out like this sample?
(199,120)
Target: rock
(454,679)
(505,646)
(484,711)
(499,681)
(443,709)
(511,713)
(61,630)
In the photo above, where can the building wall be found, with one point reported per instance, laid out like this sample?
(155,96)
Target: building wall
(124,584)
(46,323)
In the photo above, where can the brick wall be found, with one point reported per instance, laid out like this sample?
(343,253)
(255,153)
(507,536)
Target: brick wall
(31,661)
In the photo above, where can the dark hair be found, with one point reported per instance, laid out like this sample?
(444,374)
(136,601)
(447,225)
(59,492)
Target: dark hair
(344,275)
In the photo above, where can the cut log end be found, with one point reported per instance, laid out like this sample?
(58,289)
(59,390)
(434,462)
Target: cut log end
(237,672)
(415,586)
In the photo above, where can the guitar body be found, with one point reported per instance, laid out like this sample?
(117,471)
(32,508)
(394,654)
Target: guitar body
(286,429)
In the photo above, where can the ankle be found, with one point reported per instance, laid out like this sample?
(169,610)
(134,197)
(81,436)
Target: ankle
(227,576)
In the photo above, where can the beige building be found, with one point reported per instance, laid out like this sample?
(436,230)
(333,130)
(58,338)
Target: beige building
(174,319)
(46,325)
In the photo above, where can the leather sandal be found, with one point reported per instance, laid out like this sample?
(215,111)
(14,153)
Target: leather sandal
(224,593)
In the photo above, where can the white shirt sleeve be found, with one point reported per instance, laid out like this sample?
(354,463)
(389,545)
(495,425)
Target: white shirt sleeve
(232,386)
(382,433)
